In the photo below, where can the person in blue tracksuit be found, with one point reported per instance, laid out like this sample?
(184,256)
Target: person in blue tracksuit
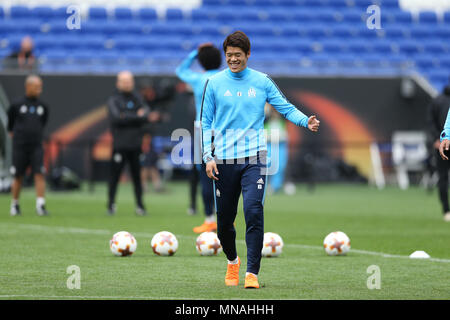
(234,149)
(210,59)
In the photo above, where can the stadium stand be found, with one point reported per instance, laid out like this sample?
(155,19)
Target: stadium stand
(289,37)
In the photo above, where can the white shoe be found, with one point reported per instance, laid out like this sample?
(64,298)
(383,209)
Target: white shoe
(447,217)
(41,210)
(15,210)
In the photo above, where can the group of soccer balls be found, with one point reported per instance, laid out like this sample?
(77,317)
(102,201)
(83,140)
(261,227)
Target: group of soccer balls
(165,243)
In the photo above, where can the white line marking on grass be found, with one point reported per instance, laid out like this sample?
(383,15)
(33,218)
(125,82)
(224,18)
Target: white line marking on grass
(91,297)
(150,235)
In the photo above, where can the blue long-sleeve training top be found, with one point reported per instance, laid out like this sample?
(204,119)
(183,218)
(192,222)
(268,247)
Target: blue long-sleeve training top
(233,109)
(195,79)
(445,134)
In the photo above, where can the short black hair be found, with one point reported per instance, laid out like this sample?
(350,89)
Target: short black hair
(210,58)
(237,39)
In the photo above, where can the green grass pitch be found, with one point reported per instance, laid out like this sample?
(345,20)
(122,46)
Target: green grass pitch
(384,227)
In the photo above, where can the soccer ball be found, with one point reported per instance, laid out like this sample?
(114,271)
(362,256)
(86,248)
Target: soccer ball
(208,244)
(336,244)
(272,245)
(164,243)
(123,244)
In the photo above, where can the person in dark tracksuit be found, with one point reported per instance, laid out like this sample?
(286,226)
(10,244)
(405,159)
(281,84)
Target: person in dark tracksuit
(127,114)
(437,114)
(234,150)
(26,121)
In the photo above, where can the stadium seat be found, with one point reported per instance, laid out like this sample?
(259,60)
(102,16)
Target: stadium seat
(358,46)
(20,12)
(446,17)
(428,17)
(123,14)
(426,62)
(435,47)
(410,47)
(421,32)
(384,47)
(42,12)
(333,46)
(147,14)
(174,14)
(342,31)
(98,13)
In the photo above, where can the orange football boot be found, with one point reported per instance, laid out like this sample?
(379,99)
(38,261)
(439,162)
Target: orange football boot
(232,276)
(251,281)
(206,227)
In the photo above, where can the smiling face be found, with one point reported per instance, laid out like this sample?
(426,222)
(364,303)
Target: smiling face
(236,58)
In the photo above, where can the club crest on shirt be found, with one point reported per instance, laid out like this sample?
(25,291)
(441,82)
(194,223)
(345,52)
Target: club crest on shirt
(23,109)
(239,94)
(252,93)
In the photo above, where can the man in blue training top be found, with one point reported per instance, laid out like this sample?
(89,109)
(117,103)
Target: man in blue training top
(210,59)
(234,149)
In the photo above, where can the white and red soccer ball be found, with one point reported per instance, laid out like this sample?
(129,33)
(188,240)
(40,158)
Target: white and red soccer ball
(336,243)
(164,243)
(208,244)
(272,245)
(123,244)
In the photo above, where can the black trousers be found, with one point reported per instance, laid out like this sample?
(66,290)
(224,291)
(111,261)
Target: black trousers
(248,178)
(118,160)
(442,167)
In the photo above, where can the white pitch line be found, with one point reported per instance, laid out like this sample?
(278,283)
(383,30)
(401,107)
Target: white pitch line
(61,229)
(92,297)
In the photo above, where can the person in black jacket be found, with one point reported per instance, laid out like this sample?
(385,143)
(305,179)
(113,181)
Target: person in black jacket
(27,118)
(437,114)
(127,115)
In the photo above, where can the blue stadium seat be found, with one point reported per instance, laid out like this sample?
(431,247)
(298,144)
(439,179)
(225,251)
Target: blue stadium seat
(426,62)
(316,31)
(56,57)
(343,31)
(7,27)
(447,17)
(42,12)
(124,43)
(334,46)
(20,12)
(47,42)
(428,17)
(421,32)
(70,43)
(396,31)
(93,43)
(123,13)
(147,14)
(381,47)
(403,17)
(442,31)
(352,16)
(98,13)
(301,46)
(435,47)
(444,62)
(60,13)
(27,26)
(358,46)
(338,4)
(83,57)
(410,47)
(174,14)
